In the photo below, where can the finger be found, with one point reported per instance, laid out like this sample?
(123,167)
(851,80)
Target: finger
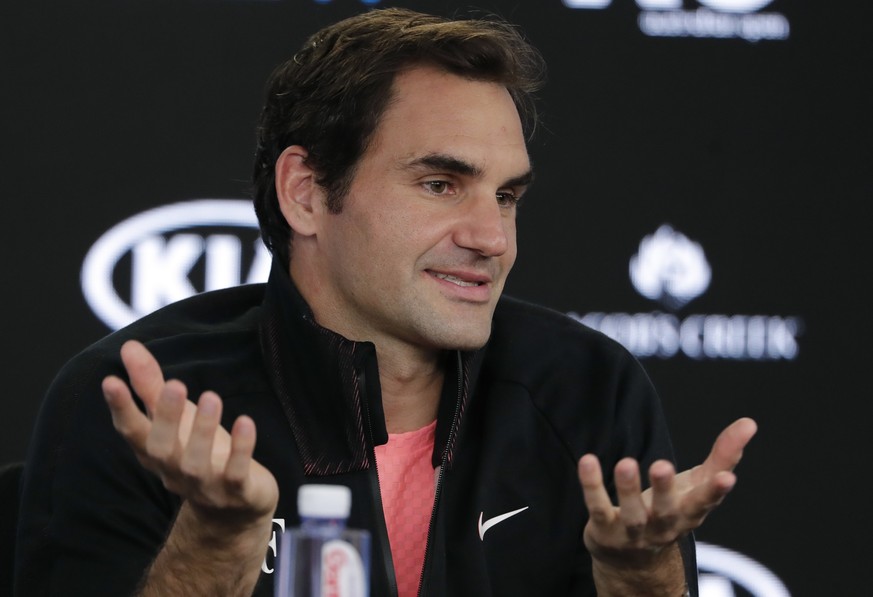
(127,419)
(704,498)
(631,508)
(163,441)
(665,513)
(242,446)
(600,508)
(197,457)
(144,371)
(728,447)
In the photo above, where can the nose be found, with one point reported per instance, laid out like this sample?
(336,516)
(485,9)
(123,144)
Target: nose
(484,226)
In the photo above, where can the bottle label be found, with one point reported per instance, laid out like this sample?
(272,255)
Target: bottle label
(342,571)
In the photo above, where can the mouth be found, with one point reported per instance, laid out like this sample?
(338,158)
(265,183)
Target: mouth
(465,283)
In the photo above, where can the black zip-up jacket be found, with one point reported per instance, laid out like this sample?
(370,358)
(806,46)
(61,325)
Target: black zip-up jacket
(514,419)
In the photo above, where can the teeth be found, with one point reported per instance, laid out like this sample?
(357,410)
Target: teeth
(455,280)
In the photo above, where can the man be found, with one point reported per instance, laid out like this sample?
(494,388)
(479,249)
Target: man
(381,356)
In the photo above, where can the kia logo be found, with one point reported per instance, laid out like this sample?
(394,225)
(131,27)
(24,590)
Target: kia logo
(163,246)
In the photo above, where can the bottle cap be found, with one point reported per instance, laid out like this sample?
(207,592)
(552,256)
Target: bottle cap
(324,501)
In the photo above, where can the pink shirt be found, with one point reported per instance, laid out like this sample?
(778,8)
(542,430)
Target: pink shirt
(407,480)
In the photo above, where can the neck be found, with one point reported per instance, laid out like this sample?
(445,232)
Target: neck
(411,376)
(411,388)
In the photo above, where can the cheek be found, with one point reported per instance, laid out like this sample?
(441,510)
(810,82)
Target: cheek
(386,241)
(407,234)
(510,256)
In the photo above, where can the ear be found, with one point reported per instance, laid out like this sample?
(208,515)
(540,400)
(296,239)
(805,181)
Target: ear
(299,195)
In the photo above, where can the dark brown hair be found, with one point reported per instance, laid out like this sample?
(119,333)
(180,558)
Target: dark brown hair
(330,96)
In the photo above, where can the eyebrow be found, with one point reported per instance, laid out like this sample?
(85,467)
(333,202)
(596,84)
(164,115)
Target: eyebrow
(447,163)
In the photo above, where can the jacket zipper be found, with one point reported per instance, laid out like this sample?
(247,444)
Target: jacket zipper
(439,484)
(376,491)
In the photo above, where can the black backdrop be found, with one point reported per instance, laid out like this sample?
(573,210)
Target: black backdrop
(758,151)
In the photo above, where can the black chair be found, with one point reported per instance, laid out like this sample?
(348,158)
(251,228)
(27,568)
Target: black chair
(10,483)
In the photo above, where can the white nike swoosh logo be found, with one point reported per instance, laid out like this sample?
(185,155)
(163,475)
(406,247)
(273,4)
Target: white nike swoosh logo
(484,526)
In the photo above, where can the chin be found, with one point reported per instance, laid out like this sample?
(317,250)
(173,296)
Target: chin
(466,339)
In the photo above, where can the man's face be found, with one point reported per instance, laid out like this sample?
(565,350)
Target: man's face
(420,252)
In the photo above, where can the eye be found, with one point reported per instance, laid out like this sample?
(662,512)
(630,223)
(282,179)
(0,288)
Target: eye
(508,199)
(438,187)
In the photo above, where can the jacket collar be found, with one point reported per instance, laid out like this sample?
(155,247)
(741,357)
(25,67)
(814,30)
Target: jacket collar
(329,390)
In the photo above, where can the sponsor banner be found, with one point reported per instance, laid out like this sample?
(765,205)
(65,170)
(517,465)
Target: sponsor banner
(733,337)
(707,23)
(672,270)
(710,18)
(172,252)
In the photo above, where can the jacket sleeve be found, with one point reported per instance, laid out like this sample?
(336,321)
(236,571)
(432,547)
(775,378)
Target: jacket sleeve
(92,518)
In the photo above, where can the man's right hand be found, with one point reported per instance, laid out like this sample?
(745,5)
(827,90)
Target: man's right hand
(228,497)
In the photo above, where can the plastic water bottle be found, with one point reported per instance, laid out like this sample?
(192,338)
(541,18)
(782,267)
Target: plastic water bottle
(323,558)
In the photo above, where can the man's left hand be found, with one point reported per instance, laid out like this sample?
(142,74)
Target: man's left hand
(635,534)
